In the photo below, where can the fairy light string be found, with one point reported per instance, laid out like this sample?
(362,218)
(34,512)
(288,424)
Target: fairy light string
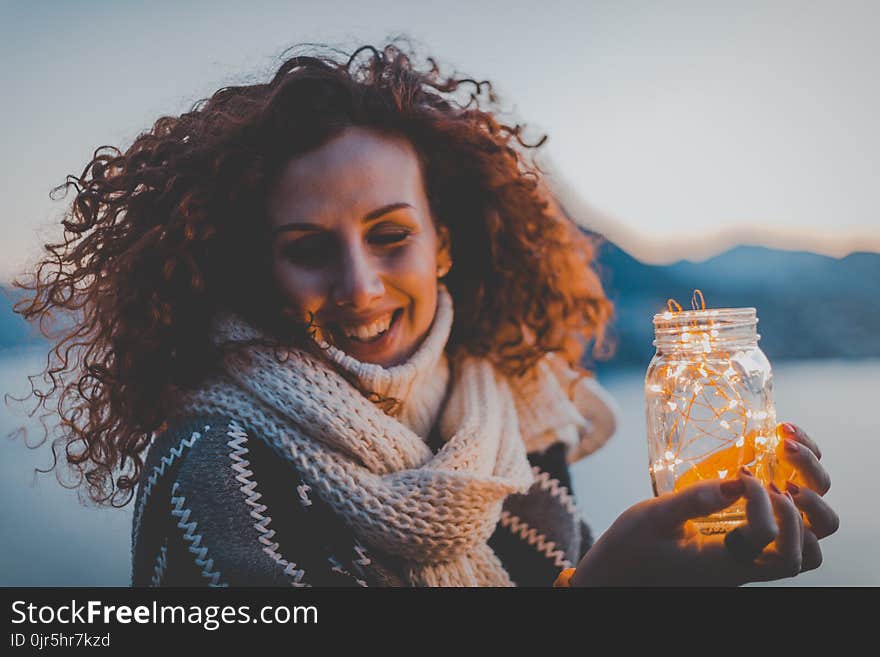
(709,435)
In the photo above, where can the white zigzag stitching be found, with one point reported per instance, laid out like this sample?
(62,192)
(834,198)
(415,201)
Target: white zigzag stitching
(546,482)
(195,540)
(158,471)
(240,465)
(161,565)
(337,568)
(531,535)
(363,559)
(303,489)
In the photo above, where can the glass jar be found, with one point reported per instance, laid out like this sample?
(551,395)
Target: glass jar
(710,410)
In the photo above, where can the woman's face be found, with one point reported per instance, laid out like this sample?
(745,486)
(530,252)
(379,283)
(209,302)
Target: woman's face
(355,247)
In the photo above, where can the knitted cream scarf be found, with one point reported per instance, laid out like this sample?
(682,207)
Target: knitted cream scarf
(435,511)
(419,384)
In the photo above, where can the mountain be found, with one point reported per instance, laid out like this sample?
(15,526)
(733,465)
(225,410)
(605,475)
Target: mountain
(808,305)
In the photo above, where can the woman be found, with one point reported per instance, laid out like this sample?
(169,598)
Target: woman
(332,330)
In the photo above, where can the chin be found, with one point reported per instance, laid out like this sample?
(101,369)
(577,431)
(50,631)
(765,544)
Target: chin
(391,360)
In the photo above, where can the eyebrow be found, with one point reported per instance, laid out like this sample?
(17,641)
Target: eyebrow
(370,216)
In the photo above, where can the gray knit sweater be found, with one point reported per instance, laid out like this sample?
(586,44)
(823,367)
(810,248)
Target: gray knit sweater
(217,505)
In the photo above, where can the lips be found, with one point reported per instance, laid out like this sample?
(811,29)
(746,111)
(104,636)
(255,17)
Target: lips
(362,339)
(366,332)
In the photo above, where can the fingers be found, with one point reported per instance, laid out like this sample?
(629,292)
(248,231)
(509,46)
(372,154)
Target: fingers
(760,528)
(697,500)
(789,430)
(812,553)
(822,519)
(807,465)
(775,517)
(787,560)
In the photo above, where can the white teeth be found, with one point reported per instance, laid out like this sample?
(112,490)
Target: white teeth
(367,331)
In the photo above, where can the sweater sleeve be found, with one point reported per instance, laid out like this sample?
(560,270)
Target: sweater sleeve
(218,506)
(554,462)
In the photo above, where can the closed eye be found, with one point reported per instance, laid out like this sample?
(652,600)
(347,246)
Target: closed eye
(386,237)
(321,249)
(311,250)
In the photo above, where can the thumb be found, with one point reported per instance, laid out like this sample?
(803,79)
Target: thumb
(697,500)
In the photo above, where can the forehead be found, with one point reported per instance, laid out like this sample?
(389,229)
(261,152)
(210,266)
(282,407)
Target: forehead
(357,171)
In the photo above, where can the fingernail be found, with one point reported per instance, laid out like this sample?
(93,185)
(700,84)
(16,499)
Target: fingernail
(743,470)
(732,488)
(774,488)
(792,488)
(789,429)
(791,446)
(788,495)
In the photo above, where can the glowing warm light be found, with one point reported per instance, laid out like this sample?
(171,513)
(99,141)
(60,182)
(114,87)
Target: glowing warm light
(709,431)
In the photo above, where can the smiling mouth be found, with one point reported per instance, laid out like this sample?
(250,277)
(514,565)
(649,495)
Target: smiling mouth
(343,336)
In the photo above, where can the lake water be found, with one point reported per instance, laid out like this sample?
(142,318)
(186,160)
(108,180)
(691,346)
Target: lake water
(50,538)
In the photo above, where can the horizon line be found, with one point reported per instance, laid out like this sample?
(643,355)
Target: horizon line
(666,251)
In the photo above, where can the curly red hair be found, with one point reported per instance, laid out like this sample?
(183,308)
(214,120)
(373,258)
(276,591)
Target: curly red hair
(160,236)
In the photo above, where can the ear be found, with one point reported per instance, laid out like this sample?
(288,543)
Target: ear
(444,248)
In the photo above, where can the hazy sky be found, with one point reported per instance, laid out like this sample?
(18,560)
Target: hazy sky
(672,120)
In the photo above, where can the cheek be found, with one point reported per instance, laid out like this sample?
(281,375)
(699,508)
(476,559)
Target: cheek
(416,265)
(418,261)
(302,290)
(415,276)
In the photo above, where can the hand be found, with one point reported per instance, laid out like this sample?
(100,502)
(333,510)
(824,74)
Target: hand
(653,544)
(806,481)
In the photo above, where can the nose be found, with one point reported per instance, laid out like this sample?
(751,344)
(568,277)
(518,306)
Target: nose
(359,284)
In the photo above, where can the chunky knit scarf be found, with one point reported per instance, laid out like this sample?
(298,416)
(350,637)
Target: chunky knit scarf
(417,387)
(435,511)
